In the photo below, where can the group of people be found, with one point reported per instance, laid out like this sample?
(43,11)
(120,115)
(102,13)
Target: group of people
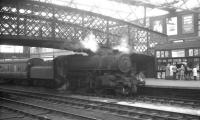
(181,72)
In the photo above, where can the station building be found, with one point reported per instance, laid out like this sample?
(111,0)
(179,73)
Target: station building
(183,46)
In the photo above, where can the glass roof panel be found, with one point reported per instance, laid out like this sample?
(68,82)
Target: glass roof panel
(125,11)
(176,4)
(109,8)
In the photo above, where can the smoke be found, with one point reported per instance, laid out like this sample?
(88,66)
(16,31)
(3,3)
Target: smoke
(90,42)
(123,46)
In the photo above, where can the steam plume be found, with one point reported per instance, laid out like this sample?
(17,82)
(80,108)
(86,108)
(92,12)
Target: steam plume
(123,46)
(90,42)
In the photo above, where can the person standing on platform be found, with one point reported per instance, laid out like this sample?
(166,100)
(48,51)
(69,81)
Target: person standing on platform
(174,69)
(182,72)
(194,71)
(167,71)
(171,71)
(189,72)
(186,72)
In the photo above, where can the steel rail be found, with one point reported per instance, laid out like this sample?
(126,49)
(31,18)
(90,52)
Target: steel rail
(39,117)
(112,107)
(49,109)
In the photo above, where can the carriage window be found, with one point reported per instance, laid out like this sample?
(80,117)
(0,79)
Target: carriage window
(12,67)
(9,67)
(22,67)
(19,67)
(15,68)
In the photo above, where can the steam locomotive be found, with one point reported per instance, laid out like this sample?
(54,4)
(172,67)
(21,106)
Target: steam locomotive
(101,71)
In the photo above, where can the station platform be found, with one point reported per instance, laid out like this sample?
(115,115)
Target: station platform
(179,84)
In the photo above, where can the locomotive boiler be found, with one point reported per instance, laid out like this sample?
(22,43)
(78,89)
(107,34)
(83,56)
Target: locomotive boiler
(110,71)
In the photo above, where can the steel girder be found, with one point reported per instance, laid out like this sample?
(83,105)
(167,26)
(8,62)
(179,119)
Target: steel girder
(33,23)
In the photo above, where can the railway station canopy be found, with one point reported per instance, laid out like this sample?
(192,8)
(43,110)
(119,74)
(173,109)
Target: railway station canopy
(130,10)
(126,10)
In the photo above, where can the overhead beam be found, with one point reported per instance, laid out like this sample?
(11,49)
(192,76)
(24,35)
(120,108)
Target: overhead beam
(140,3)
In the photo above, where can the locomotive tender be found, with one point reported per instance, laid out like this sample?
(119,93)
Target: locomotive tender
(101,71)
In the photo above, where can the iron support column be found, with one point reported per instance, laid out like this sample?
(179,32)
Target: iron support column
(53,24)
(145,15)
(107,35)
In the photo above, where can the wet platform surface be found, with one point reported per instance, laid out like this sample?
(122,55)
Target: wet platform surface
(182,84)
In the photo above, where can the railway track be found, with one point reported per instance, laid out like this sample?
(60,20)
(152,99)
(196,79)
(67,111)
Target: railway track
(59,108)
(39,112)
(132,112)
(19,113)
